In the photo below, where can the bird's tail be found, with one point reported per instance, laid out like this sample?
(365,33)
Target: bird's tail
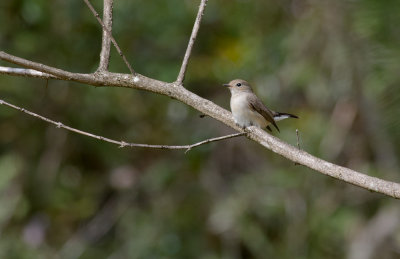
(282,115)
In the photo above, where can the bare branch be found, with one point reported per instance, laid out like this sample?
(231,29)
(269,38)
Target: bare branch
(110,35)
(298,138)
(298,142)
(106,41)
(12,71)
(209,108)
(120,143)
(189,147)
(59,73)
(192,39)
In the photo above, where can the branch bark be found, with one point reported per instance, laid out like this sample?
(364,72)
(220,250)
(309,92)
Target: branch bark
(207,107)
(106,40)
(192,39)
(12,71)
(114,42)
(177,91)
(120,143)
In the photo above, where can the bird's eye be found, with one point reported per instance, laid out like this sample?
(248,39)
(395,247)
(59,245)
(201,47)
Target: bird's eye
(238,84)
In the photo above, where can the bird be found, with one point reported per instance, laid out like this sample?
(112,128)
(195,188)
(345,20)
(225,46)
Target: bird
(248,110)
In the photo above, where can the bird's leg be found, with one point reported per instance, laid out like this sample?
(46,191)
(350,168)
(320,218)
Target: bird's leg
(240,126)
(244,127)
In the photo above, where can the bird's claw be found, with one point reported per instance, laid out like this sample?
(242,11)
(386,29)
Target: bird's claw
(241,126)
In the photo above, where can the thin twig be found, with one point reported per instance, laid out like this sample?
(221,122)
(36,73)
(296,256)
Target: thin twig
(298,138)
(189,147)
(96,79)
(192,39)
(41,68)
(110,35)
(106,40)
(12,71)
(298,143)
(120,143)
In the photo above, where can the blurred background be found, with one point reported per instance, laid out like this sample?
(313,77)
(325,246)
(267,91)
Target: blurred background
(335,64)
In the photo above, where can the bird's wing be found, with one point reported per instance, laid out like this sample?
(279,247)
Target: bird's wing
(256,105)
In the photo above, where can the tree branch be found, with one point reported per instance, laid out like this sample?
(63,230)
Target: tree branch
(192,39)
(106,41)
(114,42)
(12,71)
(178,92)
(209,108)
(120,143)
(59,73)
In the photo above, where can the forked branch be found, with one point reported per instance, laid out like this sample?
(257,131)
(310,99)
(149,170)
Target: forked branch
(106,40)
(12,71)
(106,30)
(192,39)
(121,144)
(209,108)
(178,92)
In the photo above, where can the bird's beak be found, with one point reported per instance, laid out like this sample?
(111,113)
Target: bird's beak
(226,85)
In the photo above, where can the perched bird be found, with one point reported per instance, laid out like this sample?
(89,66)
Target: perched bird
(248,109)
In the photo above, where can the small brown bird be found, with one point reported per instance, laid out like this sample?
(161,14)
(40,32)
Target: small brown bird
(248,109)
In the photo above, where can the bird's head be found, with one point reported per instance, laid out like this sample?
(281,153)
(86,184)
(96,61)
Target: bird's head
(239,86)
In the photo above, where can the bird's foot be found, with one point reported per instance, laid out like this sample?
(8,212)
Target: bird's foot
(245,128)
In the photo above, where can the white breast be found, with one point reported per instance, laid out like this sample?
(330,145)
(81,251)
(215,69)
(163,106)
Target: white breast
(243,114)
